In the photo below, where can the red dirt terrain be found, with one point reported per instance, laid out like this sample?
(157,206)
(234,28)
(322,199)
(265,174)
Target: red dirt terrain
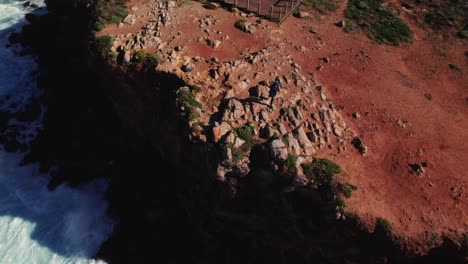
(411,107)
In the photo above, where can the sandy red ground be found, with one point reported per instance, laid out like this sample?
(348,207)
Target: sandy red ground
(383,84)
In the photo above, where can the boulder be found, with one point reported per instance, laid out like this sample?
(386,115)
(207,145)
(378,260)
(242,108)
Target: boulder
(188,67)
(220,131)
(129,19)
(261,91)
(268,132)
(282,129)
(235,109)
(293,144)
(278,150)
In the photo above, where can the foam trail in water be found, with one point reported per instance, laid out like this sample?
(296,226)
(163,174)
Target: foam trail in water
(36,226)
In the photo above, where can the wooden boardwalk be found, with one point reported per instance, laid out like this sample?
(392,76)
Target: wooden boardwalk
(276,10)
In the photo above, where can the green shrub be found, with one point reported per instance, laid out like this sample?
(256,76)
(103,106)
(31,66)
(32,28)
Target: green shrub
(350,26)
(240,24)
(290,163)
(346,189)
(187,99)
(104,44)
(296,12)
(428,96)
(341,205)
(439,18)
(384,224)
(192,114)
(383,26)
(138,57)
(197,126)
(149,59)
(195,88)
(322,6)
(237,155)
(321,171)
(246,133)
(152,59)
(107,12)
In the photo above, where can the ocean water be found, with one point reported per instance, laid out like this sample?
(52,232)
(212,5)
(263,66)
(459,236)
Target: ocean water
(67,225)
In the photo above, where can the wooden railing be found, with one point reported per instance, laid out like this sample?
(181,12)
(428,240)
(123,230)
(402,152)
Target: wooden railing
(276,10)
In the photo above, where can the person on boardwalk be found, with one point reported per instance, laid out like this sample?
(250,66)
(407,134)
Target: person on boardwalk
(274,89)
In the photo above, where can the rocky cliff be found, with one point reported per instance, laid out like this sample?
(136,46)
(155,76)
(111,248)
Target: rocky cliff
(179,188)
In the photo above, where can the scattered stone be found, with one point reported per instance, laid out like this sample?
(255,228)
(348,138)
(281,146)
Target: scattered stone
(341,23)
(188,67)
(357,143)
(303,14)
(417,168)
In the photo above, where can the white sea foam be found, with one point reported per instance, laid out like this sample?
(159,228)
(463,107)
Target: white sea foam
(67,225)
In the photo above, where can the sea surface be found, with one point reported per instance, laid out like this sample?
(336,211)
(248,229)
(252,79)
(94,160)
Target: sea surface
(67,225)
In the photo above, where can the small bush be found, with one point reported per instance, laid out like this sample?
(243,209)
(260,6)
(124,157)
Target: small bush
(138,57)
(187,99)
(237,155)
(246,133)
(196,127)
(383,26)
(428,96)
(104,44)
(152,60)
(322,6)
(240,24)
(384,224)
(107,12)
(341,205)
(195,88)
(290,163)
(321,171)
(346,189)
(349,27)
(192,114)
(296,12)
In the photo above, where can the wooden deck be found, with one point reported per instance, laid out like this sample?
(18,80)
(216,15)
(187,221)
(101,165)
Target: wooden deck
(276,10)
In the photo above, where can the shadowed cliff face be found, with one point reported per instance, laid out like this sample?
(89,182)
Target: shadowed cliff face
(104,121)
